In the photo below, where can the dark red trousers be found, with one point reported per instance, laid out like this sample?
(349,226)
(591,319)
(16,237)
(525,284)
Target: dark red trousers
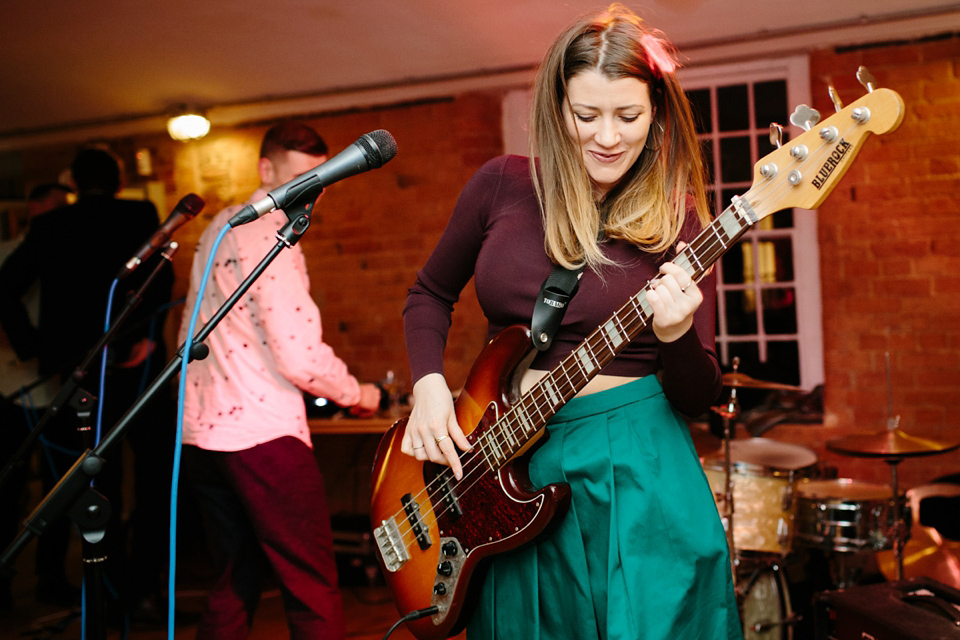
(265,508)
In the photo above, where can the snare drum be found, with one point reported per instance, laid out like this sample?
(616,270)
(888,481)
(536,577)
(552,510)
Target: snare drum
(845,515)
(763,473)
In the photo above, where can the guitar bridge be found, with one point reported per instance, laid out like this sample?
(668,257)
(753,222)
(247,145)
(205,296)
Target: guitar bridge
(391,547)
(412,509)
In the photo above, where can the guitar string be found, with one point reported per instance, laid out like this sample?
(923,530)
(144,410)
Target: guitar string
(536,393)
(824,149)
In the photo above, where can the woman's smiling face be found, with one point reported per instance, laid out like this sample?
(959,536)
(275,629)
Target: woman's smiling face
(610,120)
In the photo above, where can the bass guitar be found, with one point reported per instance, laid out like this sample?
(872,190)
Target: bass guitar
(432,531)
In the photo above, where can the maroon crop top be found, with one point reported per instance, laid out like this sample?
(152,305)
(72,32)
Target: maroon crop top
(496,236)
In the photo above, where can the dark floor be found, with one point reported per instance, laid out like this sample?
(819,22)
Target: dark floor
(369,612)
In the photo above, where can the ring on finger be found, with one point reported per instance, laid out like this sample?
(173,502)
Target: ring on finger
(420,447)
(441,438)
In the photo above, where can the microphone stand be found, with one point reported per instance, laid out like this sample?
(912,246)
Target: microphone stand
(70,386)
(88,509)
(72,494)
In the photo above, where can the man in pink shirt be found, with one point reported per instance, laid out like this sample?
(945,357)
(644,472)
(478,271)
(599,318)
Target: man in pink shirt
(248,454)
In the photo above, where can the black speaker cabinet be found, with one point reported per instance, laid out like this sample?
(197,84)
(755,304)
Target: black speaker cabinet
(914,609)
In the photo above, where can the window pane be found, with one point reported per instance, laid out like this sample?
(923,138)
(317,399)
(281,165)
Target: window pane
(735,164)
(728,194)
(780,311)
(741,312)
(763,144)
(700,103)
(775,260)
(732,108)
(770,103)
(783,362)
(783,219)
(736,262)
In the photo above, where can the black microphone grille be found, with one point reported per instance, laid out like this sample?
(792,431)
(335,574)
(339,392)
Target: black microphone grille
(384,147)
(191,204)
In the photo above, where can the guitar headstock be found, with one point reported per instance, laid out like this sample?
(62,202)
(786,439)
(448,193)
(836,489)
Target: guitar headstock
(803,172)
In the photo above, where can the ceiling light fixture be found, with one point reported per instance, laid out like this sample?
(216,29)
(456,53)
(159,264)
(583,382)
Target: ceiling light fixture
(188,124)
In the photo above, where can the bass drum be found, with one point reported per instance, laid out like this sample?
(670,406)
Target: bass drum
(765,609)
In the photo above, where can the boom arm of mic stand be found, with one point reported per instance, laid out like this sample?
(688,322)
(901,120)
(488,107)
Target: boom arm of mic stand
(72,383)
(287,237)
(76,481)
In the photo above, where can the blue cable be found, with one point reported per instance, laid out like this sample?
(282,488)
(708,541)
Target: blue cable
(96,438)
(174,485)
(103,360)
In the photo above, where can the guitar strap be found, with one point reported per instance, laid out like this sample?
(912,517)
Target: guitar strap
(555,294)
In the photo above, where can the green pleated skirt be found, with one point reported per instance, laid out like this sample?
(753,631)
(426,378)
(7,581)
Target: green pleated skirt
(641,554)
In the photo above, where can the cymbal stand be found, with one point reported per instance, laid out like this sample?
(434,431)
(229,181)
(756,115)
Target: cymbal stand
(730,413)
(893,422)
(898,524)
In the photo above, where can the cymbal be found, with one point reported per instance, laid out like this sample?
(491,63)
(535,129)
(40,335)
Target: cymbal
(744,381)
(926,554)
(888,444)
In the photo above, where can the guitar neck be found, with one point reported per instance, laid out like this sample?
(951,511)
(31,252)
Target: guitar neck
(534,409)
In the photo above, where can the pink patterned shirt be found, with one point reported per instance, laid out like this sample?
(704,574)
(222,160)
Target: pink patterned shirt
(268,348)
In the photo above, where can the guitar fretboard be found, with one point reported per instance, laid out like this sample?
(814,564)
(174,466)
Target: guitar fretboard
(534,409)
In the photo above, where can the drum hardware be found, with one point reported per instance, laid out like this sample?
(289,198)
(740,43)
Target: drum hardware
(753,484)
(894,446)
(927,553)
(763,627)
(729,413)
(787,501)
(765,603)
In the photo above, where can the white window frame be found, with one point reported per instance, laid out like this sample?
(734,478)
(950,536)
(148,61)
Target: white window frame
(795,70)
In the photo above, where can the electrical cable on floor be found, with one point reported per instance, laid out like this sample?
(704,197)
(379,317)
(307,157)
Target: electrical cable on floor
(410,617)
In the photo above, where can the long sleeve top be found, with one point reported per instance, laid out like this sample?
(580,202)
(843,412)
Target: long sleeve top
(269,347)
(496,236)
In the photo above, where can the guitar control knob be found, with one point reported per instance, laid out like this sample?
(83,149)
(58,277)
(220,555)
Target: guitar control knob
(440,589)
(449,548)
(445,568)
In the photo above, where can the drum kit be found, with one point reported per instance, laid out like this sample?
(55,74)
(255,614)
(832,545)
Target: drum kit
(776,508)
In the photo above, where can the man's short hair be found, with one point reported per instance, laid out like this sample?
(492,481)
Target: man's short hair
(292,136)
(44,189)
(96,169)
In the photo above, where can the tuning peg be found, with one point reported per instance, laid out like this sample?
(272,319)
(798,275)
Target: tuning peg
(776,135)
(805,117)
(835,98)
(866,79)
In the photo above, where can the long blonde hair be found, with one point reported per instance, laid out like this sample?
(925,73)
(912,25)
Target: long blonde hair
(649,205)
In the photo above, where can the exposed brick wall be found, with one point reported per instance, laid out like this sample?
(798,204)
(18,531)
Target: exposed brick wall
(890,261)
(889,241)
(370,233)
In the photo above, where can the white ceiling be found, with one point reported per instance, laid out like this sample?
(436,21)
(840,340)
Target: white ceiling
(72,65)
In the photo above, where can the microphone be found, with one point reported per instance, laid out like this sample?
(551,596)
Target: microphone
(371,151)
(189,206)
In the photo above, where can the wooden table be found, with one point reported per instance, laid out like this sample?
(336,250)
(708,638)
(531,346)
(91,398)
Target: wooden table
(326,426)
